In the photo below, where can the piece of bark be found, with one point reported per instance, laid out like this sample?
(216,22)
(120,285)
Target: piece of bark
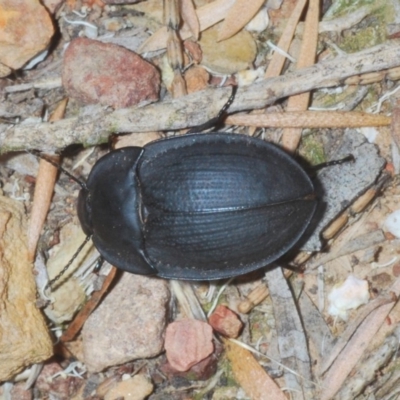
(315,326)
(292,341)
(338,186)
(24,338)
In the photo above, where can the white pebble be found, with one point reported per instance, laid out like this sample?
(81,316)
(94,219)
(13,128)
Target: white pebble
(260,21)
(350,295)
(370,133)
(392,223)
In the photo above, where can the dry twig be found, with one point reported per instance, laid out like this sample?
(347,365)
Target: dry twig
(199,107)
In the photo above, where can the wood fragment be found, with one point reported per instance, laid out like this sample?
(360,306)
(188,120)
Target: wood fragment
(257,295)
(250,375)
(351,246)
(196,108)
(76,325)
(291,337)
(275,66)
(395,126)
(174,47)
(315,326)
(310,119)
(44,188)
(370,369)
(291,136)
(335,226)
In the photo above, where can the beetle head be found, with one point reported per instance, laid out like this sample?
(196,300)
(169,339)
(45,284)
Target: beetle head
(85,212)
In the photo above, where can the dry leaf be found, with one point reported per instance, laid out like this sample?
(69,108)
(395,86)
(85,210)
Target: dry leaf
(238,16)
(291,137)
(208,15)
(355,348)
(249,374)
(189,17)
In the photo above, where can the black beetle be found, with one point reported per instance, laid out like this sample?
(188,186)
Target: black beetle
(199,206)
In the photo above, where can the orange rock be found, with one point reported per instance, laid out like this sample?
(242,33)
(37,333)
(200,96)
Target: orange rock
(24,338)
(26,30)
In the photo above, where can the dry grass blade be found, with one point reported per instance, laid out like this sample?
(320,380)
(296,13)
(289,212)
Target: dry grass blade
(250,375)
(291,137)
(88,308)
(343,248)
(351,328)
(207,15)
(44,189)
(238,16)
(174,47)
(189,17)
(310,119)
(276,65)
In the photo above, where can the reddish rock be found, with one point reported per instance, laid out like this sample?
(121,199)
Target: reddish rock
(226,322)
(201,371)
(95,72)
(52,382)
(18,392)
(187,342)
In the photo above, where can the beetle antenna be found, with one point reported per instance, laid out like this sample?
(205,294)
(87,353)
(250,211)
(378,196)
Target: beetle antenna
(349,158)
(214,121)
(65,269)
(59,167)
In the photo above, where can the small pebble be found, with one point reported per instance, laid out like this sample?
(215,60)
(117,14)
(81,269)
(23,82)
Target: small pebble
(187,342)
(392,223)
(136,388)
(226,322)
